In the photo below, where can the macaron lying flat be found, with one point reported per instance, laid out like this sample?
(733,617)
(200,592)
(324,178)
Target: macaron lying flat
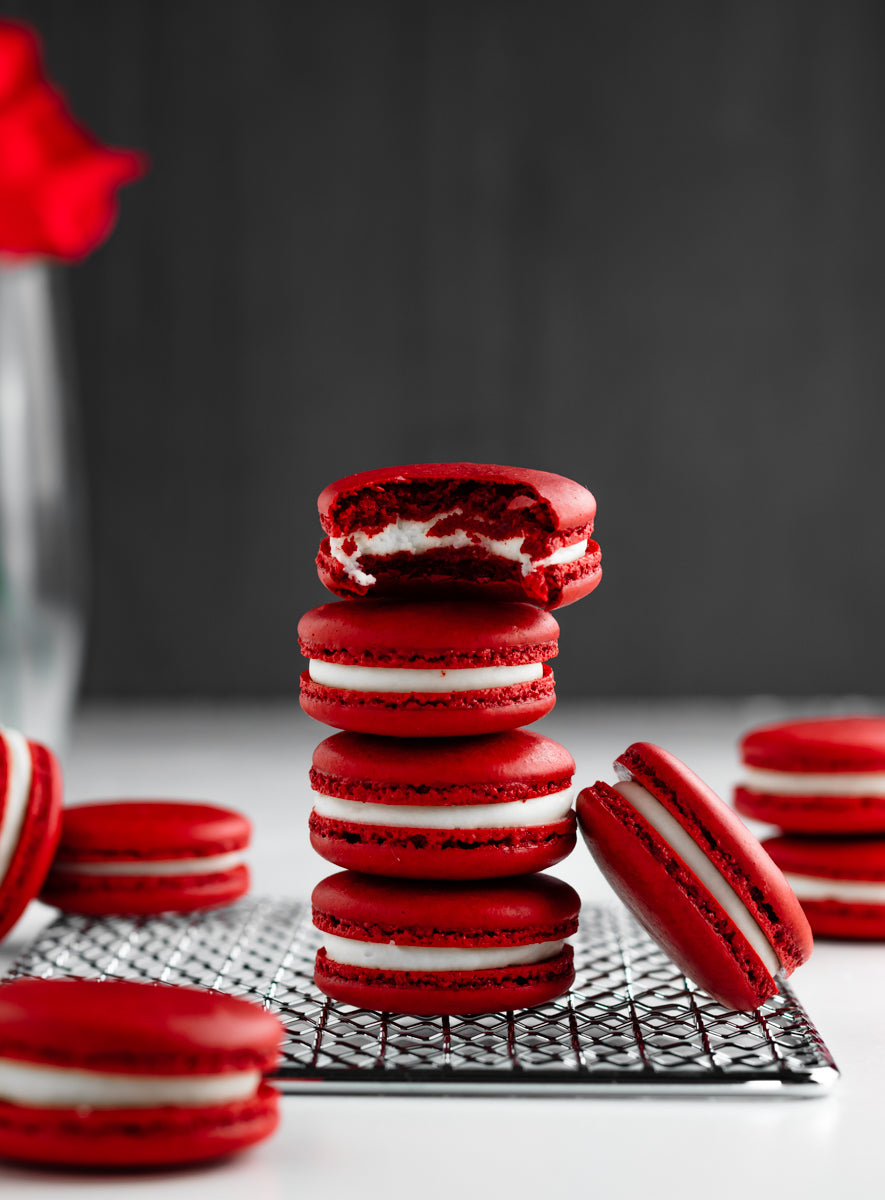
(452,808)
(840,883)
(30,821)
(118,1073)
(443,949)
(142,856)
(505,533)
(433,669)
(816,776)
(695,877)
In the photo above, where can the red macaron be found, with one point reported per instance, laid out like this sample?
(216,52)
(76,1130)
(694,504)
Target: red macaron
(433,669)
(840,882)
(824,776)
(695,877)
(142,857)
(112,1073)
(452,808)
(503,533)
(442,949)
(30,821)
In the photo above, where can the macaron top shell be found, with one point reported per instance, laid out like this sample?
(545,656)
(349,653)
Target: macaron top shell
(830,857)
(514,765)
(409,634)
(729,845)
(127,1027)
(372,498)
(481,913)
(136,830)
(822,745)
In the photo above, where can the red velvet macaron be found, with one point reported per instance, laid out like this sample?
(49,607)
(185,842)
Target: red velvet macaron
(443,949)
(116,1073)
(825,775)
(433,669)
(143,856)
(502,533)
(30,821)
(451,808)
(695,877)
(840,882)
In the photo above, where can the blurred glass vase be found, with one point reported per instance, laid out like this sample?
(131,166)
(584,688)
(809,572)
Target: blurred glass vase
(43,573)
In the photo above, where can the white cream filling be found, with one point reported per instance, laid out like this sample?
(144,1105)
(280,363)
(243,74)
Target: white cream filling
(385,956)
(59,1087)
(177,866)
(414,537)
(18,791)
(848,891)
(807,783)
(405,679)
(697,862)
(509,814)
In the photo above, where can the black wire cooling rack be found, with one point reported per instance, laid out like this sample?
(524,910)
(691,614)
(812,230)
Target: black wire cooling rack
(632,1024)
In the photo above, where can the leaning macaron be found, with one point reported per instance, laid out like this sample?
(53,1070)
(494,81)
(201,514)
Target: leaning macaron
(451,808)
(118,1073)
(825,775)
(143,857)
(30,821)
(442,949)
(505,533)
(432,669)
(695,877)
(840,883)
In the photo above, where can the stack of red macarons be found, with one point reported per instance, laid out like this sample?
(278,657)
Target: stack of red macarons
(438,804)
(822,783)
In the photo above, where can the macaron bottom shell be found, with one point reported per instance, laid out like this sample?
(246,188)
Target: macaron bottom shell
(441,853)
(142,895)
(135,1137)
(446,993)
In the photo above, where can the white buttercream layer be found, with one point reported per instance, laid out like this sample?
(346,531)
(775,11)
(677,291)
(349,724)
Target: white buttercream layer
(178,866)
(510,814)
(385,956)
(700,865)
(405,679)
(807,783)
(404,536)
(847,891)
(18,792)
(59,1087)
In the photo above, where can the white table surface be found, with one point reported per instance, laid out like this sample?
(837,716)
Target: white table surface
(256,759)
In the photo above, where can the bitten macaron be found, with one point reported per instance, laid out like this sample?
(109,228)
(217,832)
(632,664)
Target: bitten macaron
(453,808)
(112,1073)
(840,882)
(500,533)
(821,776)
(695,877)
(441,948)
(432,669)
(30,821)
(142,857)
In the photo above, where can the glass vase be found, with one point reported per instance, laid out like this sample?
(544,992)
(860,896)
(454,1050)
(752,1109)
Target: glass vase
(43,575)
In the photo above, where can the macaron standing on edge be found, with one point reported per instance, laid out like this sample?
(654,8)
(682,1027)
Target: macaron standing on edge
(694,877)
(499,533)
(443,808)
(143,857)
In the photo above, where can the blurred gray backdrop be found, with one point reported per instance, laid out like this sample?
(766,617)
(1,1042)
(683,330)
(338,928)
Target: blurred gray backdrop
(638,244)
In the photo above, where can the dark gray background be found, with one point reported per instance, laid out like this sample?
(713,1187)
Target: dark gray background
(637,244)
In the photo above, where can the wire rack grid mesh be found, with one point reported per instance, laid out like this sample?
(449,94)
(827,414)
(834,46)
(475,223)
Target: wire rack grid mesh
(631,1024)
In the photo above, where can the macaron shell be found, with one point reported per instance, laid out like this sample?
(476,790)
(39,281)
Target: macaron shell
(446,993)
(144,830)
(38,838)
(667,900)
(139,1137)
(813,814)
(820,745)
(434,714)
(441,853)
(143,895)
